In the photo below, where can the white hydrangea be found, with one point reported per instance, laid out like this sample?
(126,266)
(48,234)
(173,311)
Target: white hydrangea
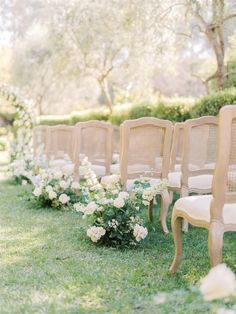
(119,202)
(90,208)
(48,188)
(113,224)
(52,195)
(63,198)
(219,283)
(140,232)
(75,185)
(123,195)
(79,207)
(64,184)
(37,191)
(95,233)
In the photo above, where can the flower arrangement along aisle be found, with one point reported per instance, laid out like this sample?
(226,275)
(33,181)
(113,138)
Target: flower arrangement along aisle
(57,190)
(114,215)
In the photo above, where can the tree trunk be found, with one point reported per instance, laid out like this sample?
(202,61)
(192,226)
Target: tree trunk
(105,91)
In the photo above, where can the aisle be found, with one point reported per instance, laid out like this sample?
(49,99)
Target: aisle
(47,265)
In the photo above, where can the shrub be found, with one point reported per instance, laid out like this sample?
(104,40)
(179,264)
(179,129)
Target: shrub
(140,111)
(54,120)
(175,113)
(211,104)
(87,115)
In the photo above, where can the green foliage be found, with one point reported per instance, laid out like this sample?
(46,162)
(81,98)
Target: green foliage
(102,115)
(211,104)
(48,266)
(140,111)
(175,113)
(54,120)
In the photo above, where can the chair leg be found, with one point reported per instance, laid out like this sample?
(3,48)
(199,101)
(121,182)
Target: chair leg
(215,242)
(150,211)
(176,224)
(184,193)
(165,202)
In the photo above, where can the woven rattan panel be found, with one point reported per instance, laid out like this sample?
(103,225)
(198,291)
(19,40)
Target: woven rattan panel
(145,151)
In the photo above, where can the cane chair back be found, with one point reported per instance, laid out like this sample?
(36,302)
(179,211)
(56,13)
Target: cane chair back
(199,147)
(177,147)
(145,148)
(224,181)
(93,139)
(60,142)
(40,139)
(216,212)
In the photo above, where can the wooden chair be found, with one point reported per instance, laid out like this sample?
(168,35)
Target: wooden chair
(145,152)
(93,139)
(216,212)
(60,148)
(40,140)
(199,139)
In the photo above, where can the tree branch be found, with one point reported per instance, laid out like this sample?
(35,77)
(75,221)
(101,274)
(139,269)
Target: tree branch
(229,17)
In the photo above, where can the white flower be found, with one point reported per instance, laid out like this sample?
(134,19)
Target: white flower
(37,191)
(123,195)
(63,198)
(58,174)
(63,184)
(95,233)
(90,208)
(110,180)
(48,188)
(119,202)
(140,232)
(219,283)
(79,207)
(52,195)
(113,224)
(24,182)
(75,185)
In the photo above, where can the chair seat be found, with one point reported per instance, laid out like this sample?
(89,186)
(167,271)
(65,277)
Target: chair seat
(201,182)
(58,163)
(198,208)
(115,169)
(130,183)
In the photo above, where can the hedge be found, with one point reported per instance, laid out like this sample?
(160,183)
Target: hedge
(208,105)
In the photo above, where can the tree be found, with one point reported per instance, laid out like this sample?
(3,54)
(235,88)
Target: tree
(209,18)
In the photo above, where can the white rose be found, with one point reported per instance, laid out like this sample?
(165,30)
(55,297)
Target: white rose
(75,185)
(95,233)
(123,195)
(63,198)
(90,208)
(37,192)
(52,195)
(119,202)
(24,182)
(48,188)
(219,283)
(140,232)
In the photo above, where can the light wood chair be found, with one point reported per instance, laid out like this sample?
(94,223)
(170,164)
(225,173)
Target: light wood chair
(93,139)
(60,146)
(198,157)
(145,152)
(40,140)
(176,154)
(216,212)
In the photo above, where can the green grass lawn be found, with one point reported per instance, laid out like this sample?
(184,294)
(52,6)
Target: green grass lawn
(48,265)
